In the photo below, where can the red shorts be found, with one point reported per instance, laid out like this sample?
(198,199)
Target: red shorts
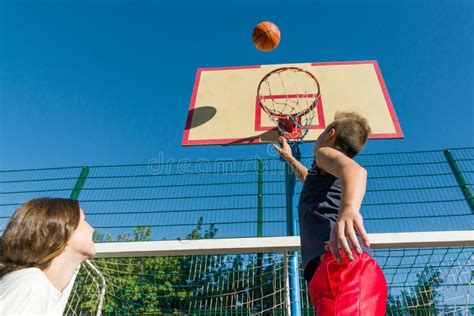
(355,287)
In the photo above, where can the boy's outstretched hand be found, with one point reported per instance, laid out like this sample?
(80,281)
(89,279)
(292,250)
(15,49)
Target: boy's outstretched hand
(284,150)
(348,223)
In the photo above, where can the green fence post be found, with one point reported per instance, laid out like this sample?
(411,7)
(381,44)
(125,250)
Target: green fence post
(460,179)
(258,295)
(79,183)
(260,199)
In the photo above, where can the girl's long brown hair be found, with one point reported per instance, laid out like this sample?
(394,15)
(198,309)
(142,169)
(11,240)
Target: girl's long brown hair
(37,233)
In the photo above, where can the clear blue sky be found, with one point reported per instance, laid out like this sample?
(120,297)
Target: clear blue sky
(109,82)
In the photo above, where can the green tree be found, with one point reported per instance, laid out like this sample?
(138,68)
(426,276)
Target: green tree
(186,285)
(419,300)
(155,285)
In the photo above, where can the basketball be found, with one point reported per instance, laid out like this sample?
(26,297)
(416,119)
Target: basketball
(266,36)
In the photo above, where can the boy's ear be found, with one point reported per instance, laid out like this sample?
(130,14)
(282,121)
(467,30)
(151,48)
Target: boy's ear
(331,134)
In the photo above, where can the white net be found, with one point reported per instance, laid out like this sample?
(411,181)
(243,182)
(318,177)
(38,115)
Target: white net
(424,280)
(88,293)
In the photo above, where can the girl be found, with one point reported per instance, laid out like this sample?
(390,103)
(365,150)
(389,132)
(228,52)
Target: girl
(41,249)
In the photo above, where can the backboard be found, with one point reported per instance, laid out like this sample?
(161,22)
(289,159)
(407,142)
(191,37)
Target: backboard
(224,109)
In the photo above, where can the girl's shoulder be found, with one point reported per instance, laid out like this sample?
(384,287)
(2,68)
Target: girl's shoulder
(28,279)
(26,292)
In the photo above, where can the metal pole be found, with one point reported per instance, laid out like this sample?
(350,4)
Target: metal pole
(258,291)
(291,222)
(287,284)
(260,199)
(79,183)
(460,179)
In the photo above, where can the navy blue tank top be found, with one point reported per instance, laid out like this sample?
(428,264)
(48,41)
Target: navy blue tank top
(317,213)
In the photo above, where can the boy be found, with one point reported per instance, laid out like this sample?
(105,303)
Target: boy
(343,277)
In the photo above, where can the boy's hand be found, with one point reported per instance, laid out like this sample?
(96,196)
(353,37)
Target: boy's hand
(348,222)
(284,150)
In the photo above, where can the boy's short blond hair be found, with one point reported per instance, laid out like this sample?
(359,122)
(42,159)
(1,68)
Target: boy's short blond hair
(352,132)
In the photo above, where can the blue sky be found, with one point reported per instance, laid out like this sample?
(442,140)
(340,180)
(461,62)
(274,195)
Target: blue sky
(109,82)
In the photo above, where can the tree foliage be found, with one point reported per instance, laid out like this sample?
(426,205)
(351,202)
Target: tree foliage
(419,300)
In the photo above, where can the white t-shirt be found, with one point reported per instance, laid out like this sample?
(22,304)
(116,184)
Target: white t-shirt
(29,292)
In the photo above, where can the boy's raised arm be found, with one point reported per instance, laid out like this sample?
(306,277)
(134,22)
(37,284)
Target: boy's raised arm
(285,152)
(353,180)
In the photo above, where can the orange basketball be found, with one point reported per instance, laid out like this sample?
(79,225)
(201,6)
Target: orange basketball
(266,36)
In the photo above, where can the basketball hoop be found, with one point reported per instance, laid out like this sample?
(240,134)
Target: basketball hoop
(289,96)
